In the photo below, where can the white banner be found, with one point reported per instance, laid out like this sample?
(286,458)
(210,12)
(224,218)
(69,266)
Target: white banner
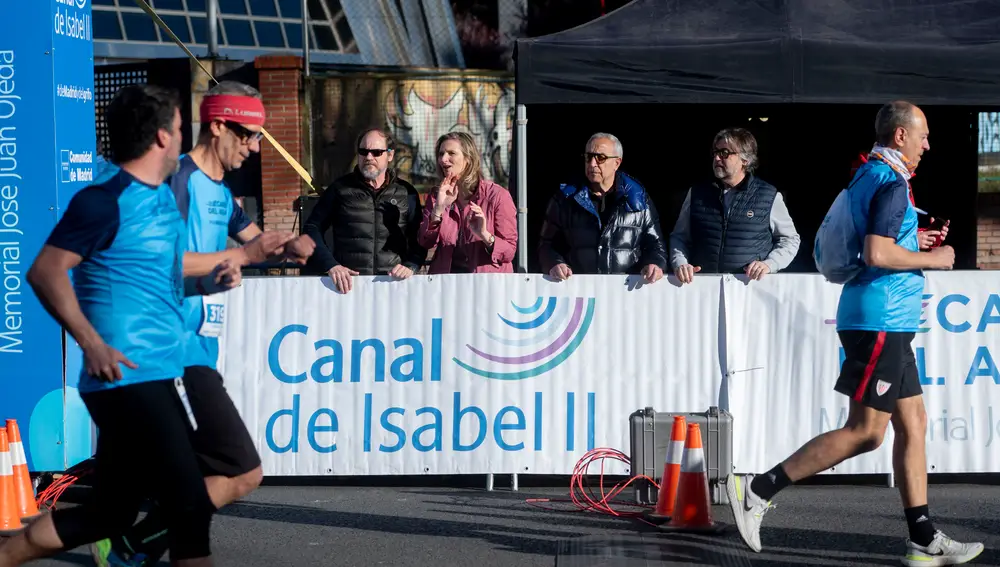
(517,374)
(784,357)
(462,373)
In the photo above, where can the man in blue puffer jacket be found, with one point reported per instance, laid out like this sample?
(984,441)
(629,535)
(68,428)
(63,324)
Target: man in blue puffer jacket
(877,318)
(606,224)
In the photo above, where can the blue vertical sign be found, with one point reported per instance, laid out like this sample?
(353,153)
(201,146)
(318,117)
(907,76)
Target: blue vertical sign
(47,146)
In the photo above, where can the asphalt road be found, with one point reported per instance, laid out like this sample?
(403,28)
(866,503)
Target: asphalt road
(422,526)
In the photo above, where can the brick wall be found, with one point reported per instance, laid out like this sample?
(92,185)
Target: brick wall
(280,78)
(988,221)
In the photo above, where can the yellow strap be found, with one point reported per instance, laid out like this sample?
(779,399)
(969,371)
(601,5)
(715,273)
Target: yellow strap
(291,161)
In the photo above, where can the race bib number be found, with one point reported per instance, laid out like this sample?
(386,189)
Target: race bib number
(213,315)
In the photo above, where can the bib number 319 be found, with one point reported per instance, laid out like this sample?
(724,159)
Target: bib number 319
(213,316)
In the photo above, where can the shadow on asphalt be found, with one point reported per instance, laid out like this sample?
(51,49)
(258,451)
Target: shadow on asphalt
(573,538)
(511,538)
(629,542)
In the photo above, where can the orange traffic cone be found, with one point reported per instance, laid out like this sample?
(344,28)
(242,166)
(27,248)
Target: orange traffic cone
(10,520)
(27,509)
(671,473)
(693,509)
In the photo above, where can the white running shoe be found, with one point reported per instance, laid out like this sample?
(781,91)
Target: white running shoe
(748,509)
(941,551)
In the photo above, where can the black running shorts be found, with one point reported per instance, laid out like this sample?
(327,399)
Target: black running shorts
(879,368)
(144,449)
(222,442)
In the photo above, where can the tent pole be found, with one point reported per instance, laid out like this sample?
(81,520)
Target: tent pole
(522,189)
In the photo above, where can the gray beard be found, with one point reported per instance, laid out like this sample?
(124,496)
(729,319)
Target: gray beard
(368,174)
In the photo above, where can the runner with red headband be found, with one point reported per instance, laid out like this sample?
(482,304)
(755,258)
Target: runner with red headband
(232,117)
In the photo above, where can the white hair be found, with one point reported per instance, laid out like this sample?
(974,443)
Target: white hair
(614,140)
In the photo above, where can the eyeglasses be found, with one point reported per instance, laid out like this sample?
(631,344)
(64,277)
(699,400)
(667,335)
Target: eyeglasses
(375,153)
(601,158)
(723,153)
(244,134)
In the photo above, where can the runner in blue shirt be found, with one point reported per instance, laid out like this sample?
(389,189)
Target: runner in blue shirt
(877,319)
(232,116)
(123,239)
(232,119)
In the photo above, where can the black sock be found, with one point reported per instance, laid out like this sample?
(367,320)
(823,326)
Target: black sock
(770,483)
(918,520)
(149,536)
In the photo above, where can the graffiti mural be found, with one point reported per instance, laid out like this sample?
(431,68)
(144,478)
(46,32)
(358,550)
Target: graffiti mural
(417,112)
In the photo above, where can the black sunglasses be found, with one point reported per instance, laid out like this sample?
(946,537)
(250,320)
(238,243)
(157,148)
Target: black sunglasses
(601,158)
(723,153)
(243,133)
(375,153)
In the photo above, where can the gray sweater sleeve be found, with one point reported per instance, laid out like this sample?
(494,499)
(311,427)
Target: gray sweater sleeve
(680,238)
(786,238)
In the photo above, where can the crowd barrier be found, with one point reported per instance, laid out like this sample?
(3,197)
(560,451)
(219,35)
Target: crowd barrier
(471,374)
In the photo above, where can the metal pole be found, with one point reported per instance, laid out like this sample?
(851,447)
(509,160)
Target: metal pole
(307,87)
(305,35)
(522,189)
(213,28)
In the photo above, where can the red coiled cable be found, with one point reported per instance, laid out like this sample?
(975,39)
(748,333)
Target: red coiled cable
(598,499)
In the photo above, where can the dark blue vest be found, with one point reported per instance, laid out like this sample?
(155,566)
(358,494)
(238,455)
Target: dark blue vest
(724,242)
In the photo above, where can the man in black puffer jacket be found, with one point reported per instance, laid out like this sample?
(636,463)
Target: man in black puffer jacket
(607,225)
(375,217)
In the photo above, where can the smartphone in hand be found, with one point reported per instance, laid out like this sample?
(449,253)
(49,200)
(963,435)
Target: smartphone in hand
(938,224)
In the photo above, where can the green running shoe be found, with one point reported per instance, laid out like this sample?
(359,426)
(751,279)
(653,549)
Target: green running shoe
(105,555)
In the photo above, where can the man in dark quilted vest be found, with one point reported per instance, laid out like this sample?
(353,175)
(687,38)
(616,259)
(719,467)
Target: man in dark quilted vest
(374,215)
(735,224)
(604,224)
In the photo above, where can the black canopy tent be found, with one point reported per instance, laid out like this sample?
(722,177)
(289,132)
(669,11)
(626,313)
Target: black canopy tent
(759,54)
(777,51)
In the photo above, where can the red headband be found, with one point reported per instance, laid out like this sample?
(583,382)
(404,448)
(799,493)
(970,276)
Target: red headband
(241,109)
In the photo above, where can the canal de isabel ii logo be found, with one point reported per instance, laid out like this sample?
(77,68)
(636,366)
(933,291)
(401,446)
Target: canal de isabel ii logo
(560,324)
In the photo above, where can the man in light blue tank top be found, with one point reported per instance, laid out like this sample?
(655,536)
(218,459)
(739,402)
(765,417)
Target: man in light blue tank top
(877,318)
(232,117)
(123,241)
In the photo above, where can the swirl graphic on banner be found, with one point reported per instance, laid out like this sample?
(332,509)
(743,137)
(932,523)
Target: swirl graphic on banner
(559,324)
(924,327)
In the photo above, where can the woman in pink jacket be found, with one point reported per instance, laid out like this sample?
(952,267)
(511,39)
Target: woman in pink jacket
(471,221)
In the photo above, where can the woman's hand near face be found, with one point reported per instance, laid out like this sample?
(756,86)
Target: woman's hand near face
(447,193)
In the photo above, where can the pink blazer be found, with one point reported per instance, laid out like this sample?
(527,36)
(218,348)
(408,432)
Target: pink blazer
(501,221)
